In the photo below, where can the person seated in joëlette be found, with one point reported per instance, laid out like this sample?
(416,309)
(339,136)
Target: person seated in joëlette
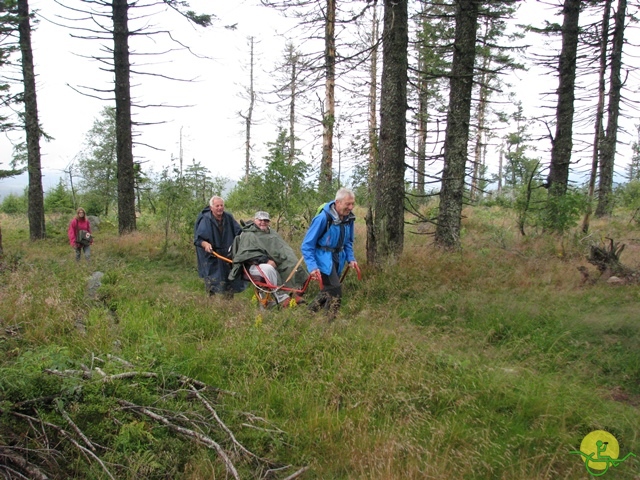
(267,255)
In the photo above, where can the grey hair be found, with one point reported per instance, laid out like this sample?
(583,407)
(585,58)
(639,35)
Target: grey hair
(344,193)
(215,197)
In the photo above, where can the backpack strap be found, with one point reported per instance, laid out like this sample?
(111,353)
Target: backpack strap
(340,243)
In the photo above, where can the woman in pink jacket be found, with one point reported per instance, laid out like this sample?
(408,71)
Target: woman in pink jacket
(80,227)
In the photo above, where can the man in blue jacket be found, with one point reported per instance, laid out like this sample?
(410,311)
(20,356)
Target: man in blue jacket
(215,231)
(328,246)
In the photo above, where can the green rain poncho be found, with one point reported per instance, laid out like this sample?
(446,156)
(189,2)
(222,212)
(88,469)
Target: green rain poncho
(254,243)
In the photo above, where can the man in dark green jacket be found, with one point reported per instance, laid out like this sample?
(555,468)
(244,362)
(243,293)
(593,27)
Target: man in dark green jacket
(266,254)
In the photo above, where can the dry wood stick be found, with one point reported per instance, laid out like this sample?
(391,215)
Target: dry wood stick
(121,376)
(224,427)
(33,471)
(67,435)
(294,269)
(204,439)
(75,428)
(118,359)
(297,474)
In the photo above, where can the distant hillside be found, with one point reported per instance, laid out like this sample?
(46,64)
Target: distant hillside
(50,179)
(16,185)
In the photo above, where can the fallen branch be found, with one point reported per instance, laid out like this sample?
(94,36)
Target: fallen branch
(85,451)
(19,461)
(122,376)
(297,474)
(212,411)
(75,428)
(64,373)
(202,424)
(268,430)
(201,438)
(122,361)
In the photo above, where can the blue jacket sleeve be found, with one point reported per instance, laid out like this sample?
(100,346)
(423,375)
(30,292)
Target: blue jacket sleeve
(308,248)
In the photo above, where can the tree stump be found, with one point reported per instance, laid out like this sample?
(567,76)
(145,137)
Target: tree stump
(606,258)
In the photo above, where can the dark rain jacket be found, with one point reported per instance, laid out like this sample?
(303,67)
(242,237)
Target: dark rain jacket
(220,234)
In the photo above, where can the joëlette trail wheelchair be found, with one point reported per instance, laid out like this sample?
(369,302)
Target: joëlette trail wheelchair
(265,291)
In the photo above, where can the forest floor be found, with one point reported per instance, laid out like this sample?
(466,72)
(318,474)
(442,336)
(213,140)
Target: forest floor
(491,362)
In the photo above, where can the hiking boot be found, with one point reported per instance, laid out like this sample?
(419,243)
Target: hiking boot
(319,302)
(316,305)
(333,306)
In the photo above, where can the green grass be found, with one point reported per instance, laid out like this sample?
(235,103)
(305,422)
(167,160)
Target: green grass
(488,363)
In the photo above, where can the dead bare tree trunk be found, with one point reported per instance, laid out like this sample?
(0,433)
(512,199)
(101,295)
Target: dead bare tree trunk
(292,106)
(500,167)
(608,144)
(329,114)
(248,119)
(481,120)
(373,137)
(32,127)
(423,116)
(598,132)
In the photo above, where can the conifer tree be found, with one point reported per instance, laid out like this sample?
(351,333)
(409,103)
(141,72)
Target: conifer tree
(457,133)
(608,143)
(110,22)
(388,221)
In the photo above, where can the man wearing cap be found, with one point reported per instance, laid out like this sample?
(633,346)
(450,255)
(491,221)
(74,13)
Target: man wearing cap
(266,254)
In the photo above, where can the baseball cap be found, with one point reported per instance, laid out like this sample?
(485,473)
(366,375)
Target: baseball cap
(262,216)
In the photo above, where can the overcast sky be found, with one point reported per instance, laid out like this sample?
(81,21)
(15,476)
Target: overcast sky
(212,131)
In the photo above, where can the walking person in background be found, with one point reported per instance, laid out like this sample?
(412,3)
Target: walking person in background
(328,246)
(79,234)
(215,231)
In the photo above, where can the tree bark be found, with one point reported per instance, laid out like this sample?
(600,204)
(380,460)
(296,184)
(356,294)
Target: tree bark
(328,120)
(32,127)
(248,120)
(423,115)
(126,174)
(389,192)
(457,133)
(598,131)
(608,146)
(500,169)
(480,143)
(293,60)
(558,178)
(373,138)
